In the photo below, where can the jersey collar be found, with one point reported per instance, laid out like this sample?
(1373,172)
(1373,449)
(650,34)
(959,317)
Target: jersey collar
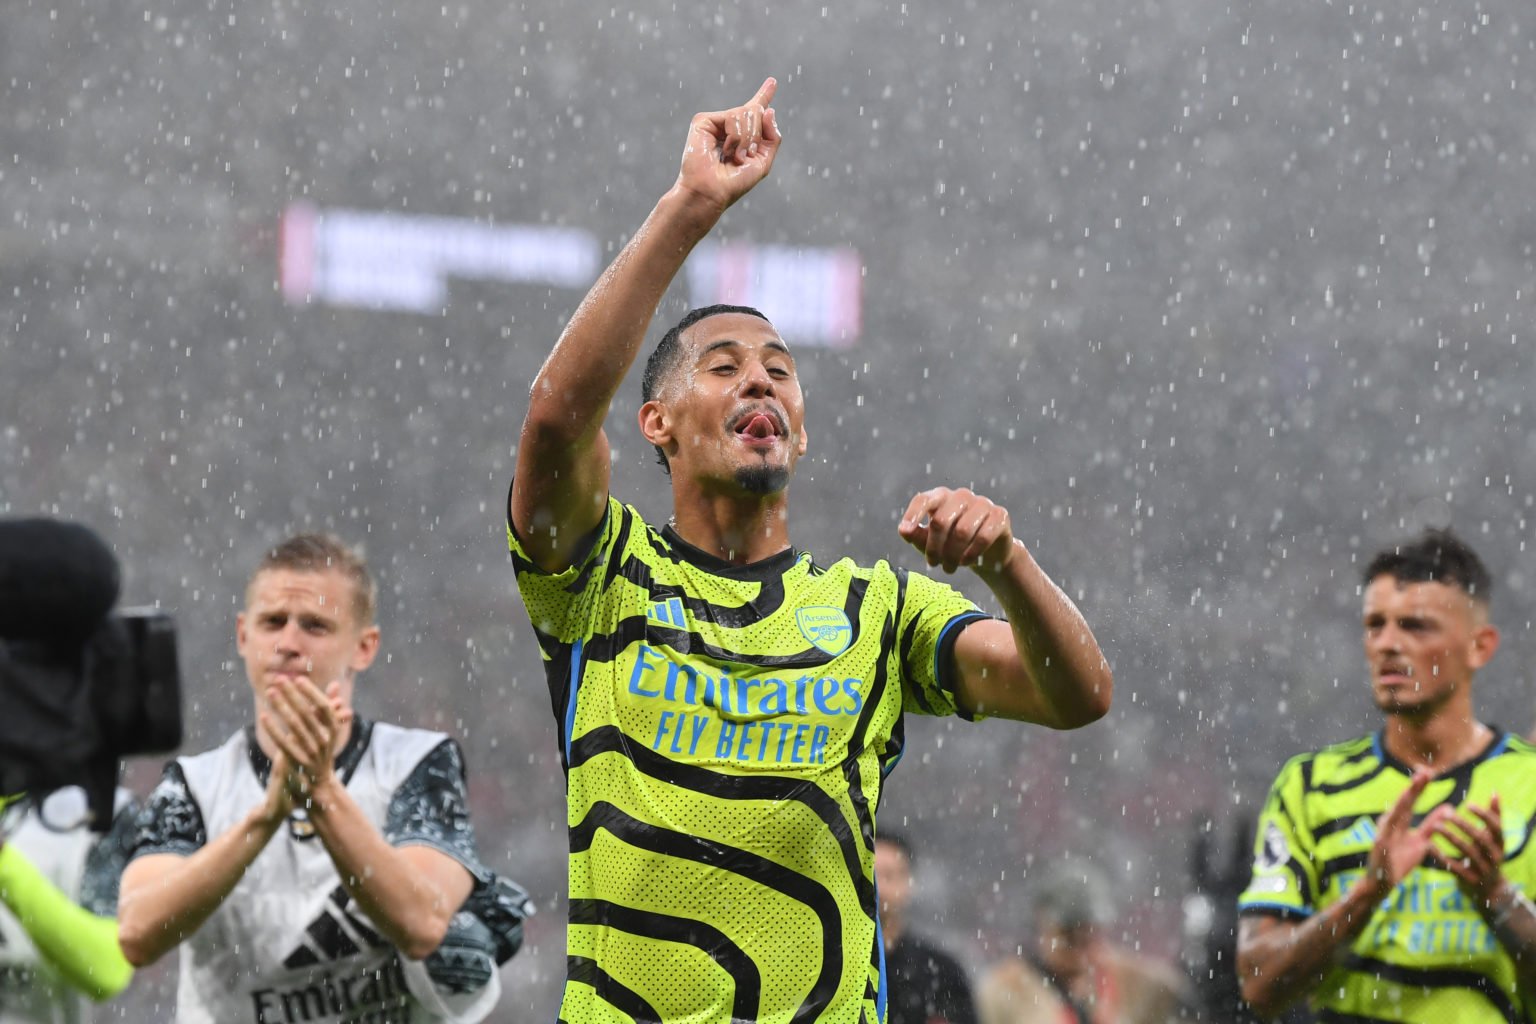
(765,568)
(1496,744)
(346,761)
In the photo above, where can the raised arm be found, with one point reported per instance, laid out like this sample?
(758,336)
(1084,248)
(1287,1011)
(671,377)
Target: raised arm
(1043,665)
(561,483)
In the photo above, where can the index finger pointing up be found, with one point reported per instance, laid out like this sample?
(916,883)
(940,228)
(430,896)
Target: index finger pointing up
(765,91)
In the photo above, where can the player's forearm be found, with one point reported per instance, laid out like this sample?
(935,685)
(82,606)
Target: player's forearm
(1512,917)
(165,898)
(81,945)
(1060,656)
(1279,962)
(407,905)
(572,392)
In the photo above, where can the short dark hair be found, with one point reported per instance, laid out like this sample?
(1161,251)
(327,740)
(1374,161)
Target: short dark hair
(1436,555)
(664,357)
(324,552)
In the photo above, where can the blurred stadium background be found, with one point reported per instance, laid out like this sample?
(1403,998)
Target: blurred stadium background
(1215,297)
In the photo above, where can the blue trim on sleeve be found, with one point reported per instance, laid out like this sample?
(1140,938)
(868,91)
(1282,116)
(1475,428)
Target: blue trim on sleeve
(571,693)
(882,995)
(945,645)
(1265,907)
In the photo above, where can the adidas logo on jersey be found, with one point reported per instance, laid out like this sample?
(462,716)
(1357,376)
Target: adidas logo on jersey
(1364,832)
(335,934)
(667,613)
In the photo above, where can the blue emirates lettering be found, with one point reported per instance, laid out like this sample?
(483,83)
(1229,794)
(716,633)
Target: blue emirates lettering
(656,676)
(1425,915)
(770,704)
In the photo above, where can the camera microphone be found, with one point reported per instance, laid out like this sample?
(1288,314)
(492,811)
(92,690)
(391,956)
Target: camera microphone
(58,581)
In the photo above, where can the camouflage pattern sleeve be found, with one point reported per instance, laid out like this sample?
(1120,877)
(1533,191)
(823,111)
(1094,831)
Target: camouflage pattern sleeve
(431,808)
(105,862)
(170,821)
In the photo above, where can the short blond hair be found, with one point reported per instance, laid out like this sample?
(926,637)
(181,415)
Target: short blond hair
(325,552)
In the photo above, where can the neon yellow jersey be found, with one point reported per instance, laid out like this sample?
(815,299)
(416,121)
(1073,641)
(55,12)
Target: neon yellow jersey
(725,732)
(1427,955)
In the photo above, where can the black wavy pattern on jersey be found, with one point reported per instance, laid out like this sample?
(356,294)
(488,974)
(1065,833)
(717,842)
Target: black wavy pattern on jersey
(609,739)
(1461,777)
(557,676)
(170,821)
(1340,864)
(769,599)
(860,736)
(748,865)
(857,742)
(586,971)
(616,561)
(1437,978)
(606,647)
(105,861)
(866,820)
(1335,788)
(431,807)
(1358,860)
(1367,749)
(1306,772)
(1524,841)
(1292,864)
(685,931)
(1343,824)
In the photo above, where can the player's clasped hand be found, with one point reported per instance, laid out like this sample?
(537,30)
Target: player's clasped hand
(1477,835)
(1400,846)
(958,529)
(307,727)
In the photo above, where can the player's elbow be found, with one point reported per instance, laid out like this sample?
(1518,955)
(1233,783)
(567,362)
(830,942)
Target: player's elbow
(136,943)
(1259,991)
(1090,702)
(423,937)
(1096,701)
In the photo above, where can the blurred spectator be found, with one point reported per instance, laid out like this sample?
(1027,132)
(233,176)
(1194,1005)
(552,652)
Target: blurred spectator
(1075,974)
(926,985)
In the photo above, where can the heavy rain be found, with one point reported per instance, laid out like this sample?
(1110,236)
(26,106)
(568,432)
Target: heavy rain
(1217,299)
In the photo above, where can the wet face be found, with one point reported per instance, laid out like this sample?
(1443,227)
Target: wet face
(730,414)
(1423,643)
(893,879)
(303,624)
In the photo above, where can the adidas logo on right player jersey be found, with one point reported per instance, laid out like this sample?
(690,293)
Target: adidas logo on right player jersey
(1364,832)
(334,934)
(668,613)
